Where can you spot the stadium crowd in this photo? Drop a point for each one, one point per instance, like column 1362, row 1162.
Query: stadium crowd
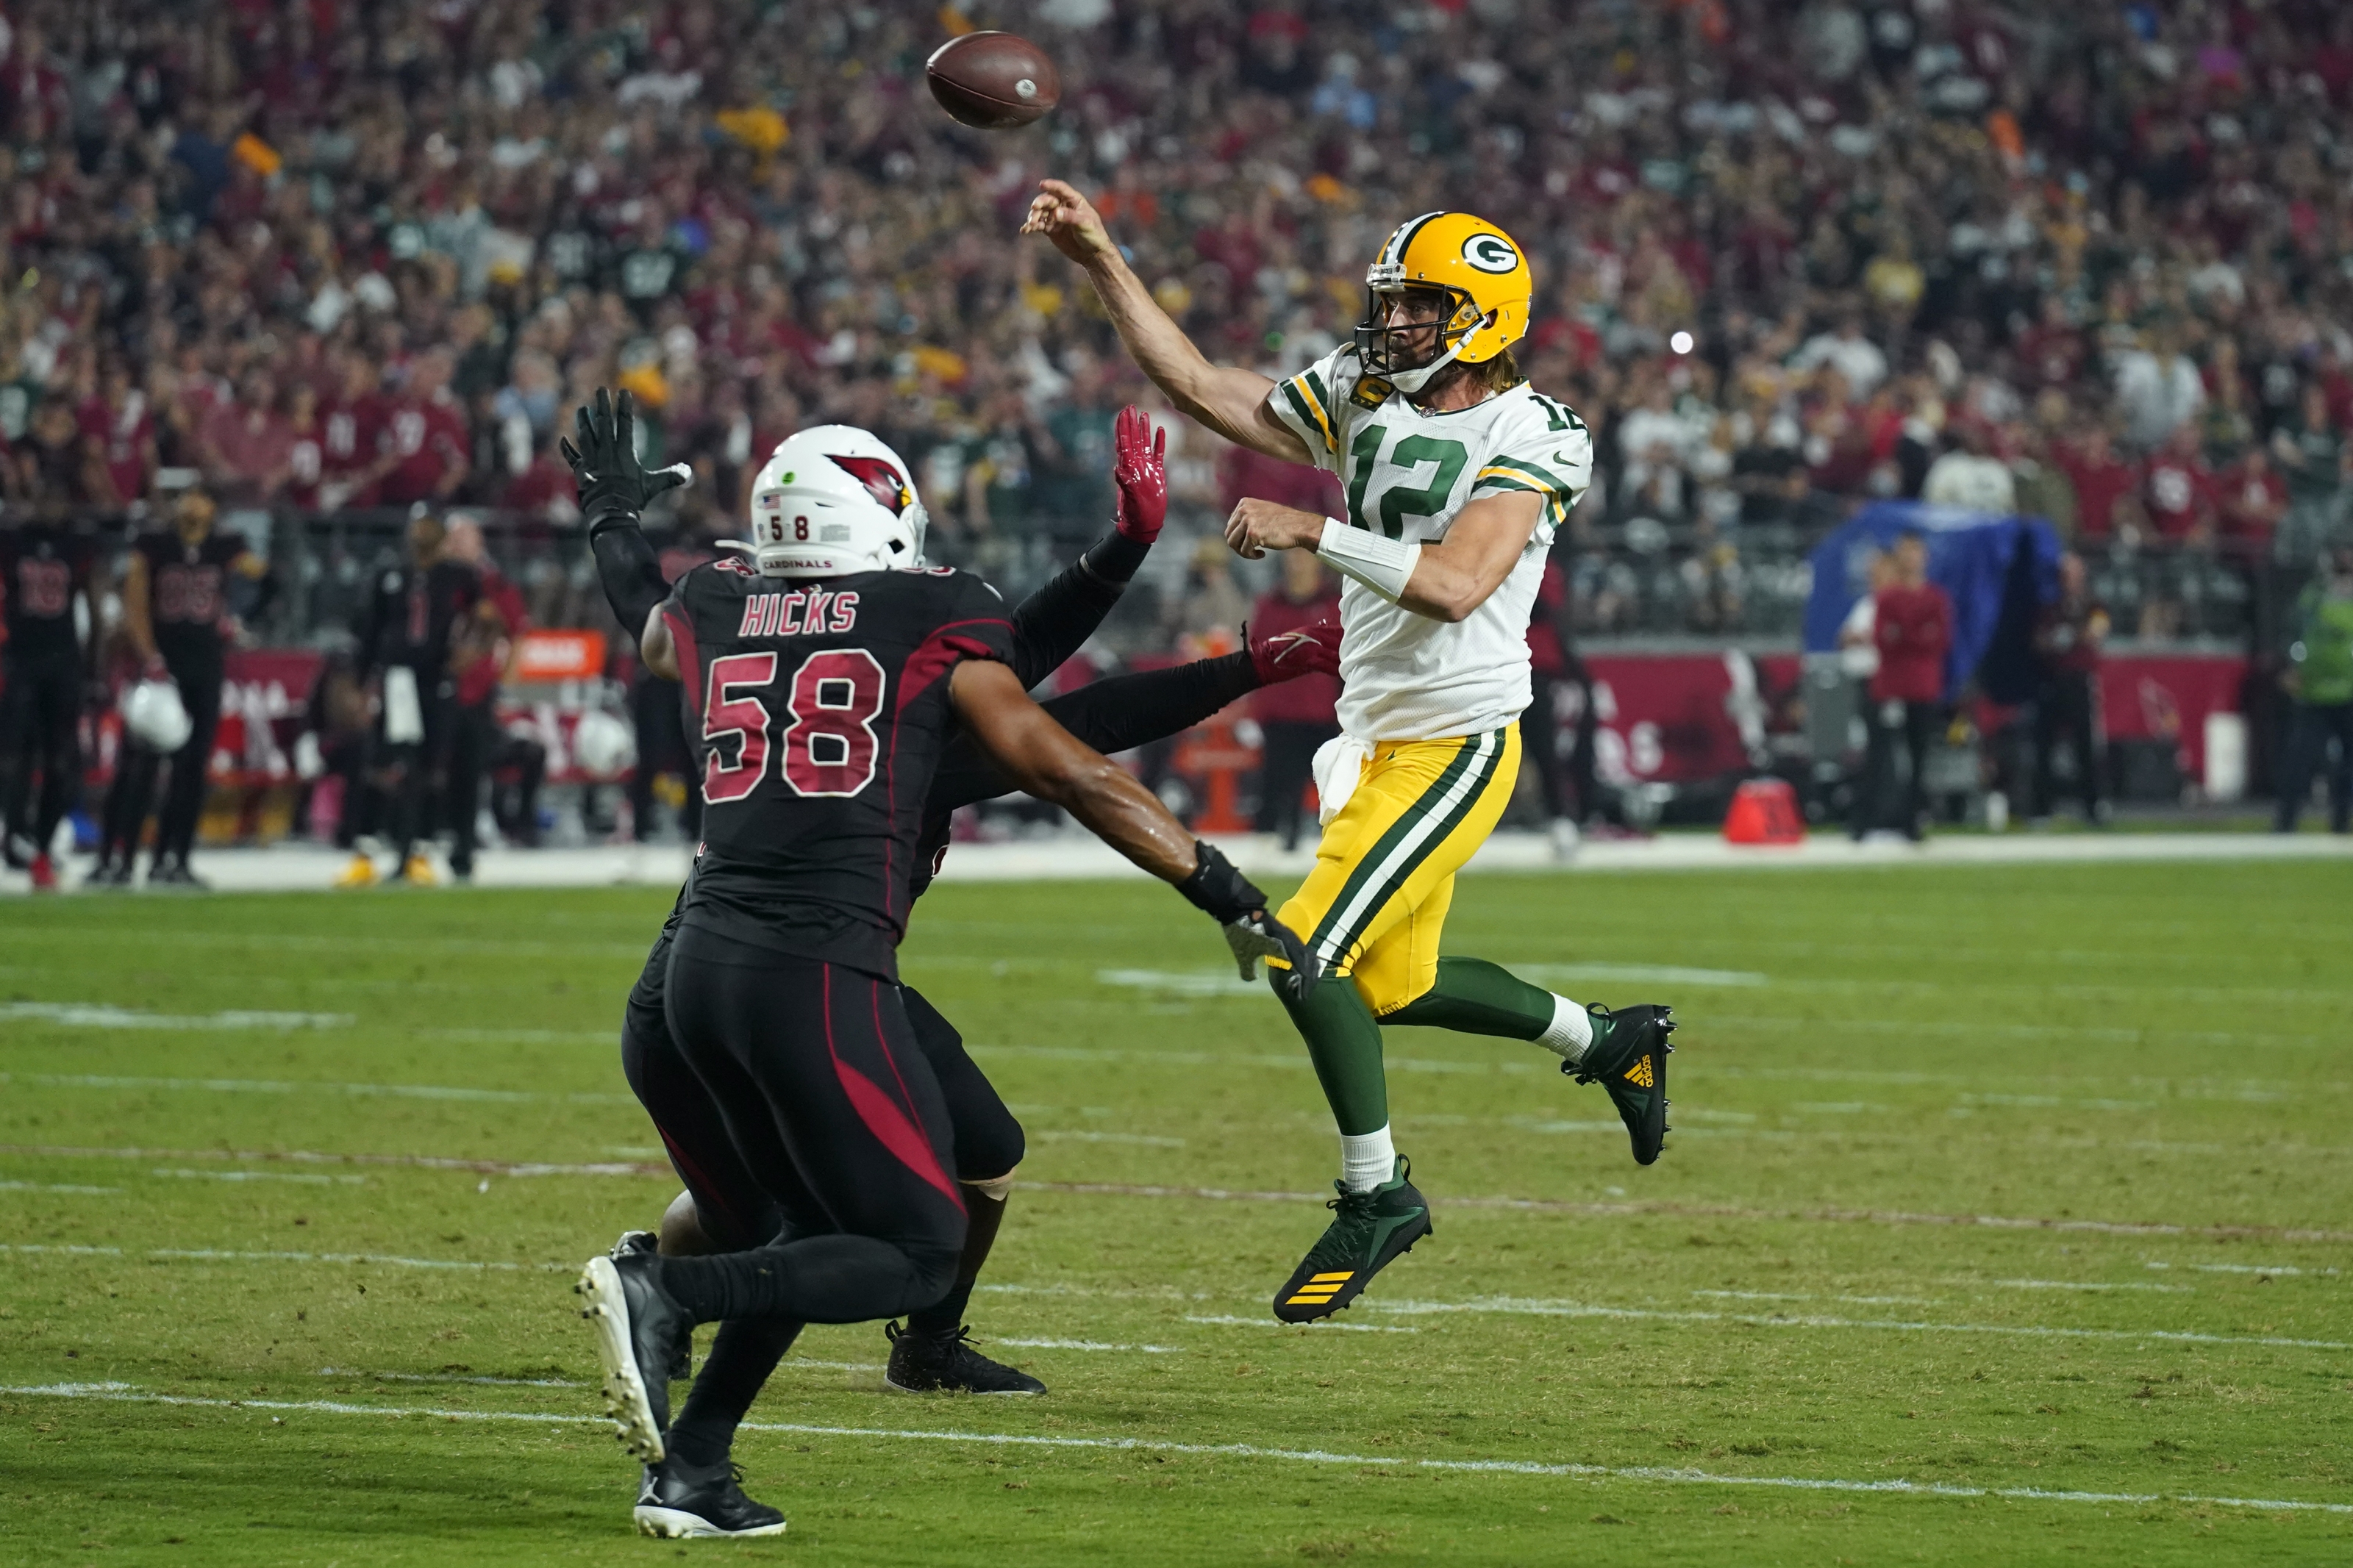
column 2089, row 262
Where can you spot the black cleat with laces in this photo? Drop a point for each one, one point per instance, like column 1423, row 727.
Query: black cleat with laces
column 1367, row 1230
column 946, row 1363
column 640, row 1334
column 1629, row 1058
column 689, row 1502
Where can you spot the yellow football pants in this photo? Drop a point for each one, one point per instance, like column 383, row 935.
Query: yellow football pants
column 1384, row 876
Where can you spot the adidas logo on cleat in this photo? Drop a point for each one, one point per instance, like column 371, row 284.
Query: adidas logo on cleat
column 1639, row 1072
column 1321, row 1289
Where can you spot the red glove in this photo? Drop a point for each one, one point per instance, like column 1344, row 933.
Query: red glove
column 1141, row 471
column 1285, row 655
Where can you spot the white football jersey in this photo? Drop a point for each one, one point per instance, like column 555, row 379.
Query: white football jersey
column 1406, row 473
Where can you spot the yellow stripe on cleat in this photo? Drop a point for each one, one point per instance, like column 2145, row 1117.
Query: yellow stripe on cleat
column 1342, row 1277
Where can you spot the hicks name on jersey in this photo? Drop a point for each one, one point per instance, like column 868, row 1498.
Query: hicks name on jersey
column 804, row 612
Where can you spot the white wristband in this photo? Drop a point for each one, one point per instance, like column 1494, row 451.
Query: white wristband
column 1379, row 563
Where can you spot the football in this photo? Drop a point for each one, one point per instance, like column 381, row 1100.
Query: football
column 993, row 81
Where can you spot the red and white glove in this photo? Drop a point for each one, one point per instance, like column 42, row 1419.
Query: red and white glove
column 1284, row 656
column 1140, row 469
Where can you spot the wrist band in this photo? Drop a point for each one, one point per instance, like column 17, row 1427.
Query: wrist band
column 1379, row 563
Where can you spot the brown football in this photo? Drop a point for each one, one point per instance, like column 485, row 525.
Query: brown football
column 993, row 80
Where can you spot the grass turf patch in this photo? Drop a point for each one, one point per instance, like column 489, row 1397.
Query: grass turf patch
column 1992, row 1182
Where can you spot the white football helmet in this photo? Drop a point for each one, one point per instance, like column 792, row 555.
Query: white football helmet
column 153, row 715
column 834, row 499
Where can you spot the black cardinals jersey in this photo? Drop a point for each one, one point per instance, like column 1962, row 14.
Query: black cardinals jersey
column 818, row 707
column 187, row 594
column 41, row 569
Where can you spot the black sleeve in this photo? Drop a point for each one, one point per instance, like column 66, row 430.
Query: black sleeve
column 629, row 570
column 1113, row 716
column 371, row 630
column 1052, row 623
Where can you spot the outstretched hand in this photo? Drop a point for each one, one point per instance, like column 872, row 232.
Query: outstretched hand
column 1070, row 221
column 1140, row 469
column 605, row 465
column 1285, row 655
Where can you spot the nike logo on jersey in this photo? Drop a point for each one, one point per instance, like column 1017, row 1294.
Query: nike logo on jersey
column 804, row 612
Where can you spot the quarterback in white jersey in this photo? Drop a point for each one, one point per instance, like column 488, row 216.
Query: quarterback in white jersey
column 1457, row 473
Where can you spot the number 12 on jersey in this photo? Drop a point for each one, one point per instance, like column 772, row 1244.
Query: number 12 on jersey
column 828, row 749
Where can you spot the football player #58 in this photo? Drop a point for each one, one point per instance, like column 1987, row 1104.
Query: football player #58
column 827, row 678
column 1457, row 472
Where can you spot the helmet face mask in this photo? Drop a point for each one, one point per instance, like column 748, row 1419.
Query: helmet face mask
column 1410, row 328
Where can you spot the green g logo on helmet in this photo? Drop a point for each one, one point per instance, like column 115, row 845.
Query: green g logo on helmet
column 1491, row 253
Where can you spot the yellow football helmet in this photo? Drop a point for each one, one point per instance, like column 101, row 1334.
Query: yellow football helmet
column 1478, row 269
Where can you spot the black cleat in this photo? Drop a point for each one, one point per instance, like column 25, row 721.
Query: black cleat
column 1629, row 1058
column 1367, row 1230
column 687, row 1502
column 646, row 1244
column 109, row 875
column 174, row 873
column 640, row 1334
column 946, row 1363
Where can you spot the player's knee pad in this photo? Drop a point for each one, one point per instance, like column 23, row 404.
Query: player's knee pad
column 996, row 1188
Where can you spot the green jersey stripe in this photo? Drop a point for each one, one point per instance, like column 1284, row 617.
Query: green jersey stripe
column 1410, row 841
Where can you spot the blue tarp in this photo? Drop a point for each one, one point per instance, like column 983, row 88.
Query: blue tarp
column 1997, row 587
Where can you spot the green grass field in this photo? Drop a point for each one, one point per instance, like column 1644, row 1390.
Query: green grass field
column 2006, row 1222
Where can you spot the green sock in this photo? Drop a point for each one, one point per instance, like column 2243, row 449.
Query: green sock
column 1473, row 996
column 1345, row 1044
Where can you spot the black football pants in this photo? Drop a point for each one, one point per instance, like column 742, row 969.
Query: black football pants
column 40, row 708
column 735, row 1210
column 133, row 789
column 830, row 1108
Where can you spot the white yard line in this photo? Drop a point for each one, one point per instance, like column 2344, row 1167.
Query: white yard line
column 2243, row 1269
column 295, row 1086
column 1540, row 1309
column 1724, row 1211
column 125, row 1393
column 60, row 1188
column 1317, row 1327
column 1088, row 1345
column 218, row 1254
column 98, row 1015
column 455, row 1377
column 313, row 1157
column 262, row 1177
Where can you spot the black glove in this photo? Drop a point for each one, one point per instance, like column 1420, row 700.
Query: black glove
column 1220, row 890
column 613, row 486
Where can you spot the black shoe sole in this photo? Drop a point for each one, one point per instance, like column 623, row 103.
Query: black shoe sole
column 626, row 1399
column 1400, row 1242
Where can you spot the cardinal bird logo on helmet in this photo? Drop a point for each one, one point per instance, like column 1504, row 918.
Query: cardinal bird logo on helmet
column 883, row 481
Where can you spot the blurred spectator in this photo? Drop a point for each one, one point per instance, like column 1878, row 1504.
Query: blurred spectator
column 2100, row 478
column 423, row 449
column 1557, row 673
column 2320, row 680
column 2177, row 488
column 2311, row 449
column 1912, row 626
column 1296, row 716
column 1970, row 478
column 2068, row 638
column 2158, row 389
column 246, row 445
column 1212, row 604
